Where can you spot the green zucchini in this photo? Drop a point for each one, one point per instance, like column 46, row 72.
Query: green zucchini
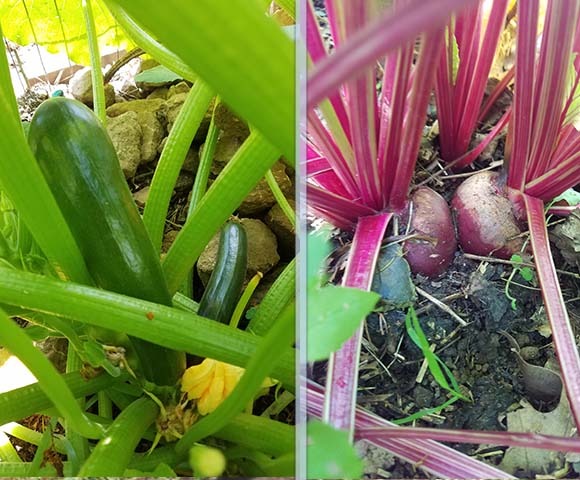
column 225, row 283
column 81, row 167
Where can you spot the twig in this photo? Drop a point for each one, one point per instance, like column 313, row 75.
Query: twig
column 448, row 298
column 424, row 366
column 491, row 166
column 512, row 263
column 441, row 305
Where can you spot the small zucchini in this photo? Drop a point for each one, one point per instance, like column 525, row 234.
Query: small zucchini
column 81, row 167
column 225, row 283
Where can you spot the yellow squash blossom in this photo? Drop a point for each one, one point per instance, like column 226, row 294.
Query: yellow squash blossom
column 211, row 382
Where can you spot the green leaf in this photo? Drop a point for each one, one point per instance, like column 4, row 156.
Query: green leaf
column 68, row 37
column 527, row 274
column 235, row 182
column 96, row 356
column 330, row 454
column 238, row 51
column 16, row 341
column 317, row 251
column 571, row 196
column 171, row 328
column 435, row 364
column 158, row 74
column 334, row 313
column 454, row 58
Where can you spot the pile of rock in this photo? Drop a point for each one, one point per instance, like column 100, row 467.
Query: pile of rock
column 139, row 129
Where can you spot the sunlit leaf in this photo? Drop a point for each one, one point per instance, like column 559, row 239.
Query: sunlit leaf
column 59, row 26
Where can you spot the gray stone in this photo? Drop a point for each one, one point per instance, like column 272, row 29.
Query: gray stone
column 81, row 88
column 261, row 197
column 126, row 135
column 278, row 222
column 262, row 251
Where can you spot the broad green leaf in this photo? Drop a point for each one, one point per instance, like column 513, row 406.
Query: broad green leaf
column 317, row 251
column 158, row 74
column 59, row 26
column 527, row 274
column 329, row 453
column 334, row 314
column 171, row 328
column 571, row 196
column 238, row 51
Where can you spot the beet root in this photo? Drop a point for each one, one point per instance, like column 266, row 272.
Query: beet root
column 484, row 216
column 431, row 219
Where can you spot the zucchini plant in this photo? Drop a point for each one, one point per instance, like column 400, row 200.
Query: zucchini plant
column 78, row 262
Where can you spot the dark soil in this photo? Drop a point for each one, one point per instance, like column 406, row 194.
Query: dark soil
column 479, row 357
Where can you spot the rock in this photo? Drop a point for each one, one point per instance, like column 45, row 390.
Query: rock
column 126, row 135
column 184, row 182
column 174, row 104
column 261, row 197
column 265, row 284
column 566, row 236
column 81, row 88
column 283, row 229
column 156, row 105
column 181, row 87
column 151, row 118
column 158, row 93
column 147, row 64
column 423, row 396
column 55, row 349
column 228, row 122
column 141, row 196
column 191, row 161
column 226, row 147
column 168, row 240
column 262, row 247
column 153, row 133
column 262, row 251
